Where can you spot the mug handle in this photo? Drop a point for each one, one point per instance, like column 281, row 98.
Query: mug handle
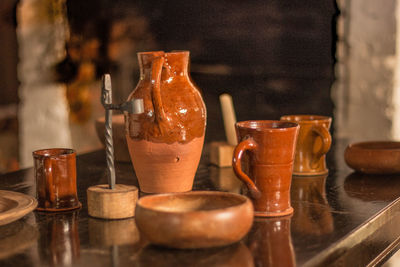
column 323, row 132
column 49, row 179
column 247, row 144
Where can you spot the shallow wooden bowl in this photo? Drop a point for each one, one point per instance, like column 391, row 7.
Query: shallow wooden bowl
column 14, row 205
column 374, row 157
column 199, row 219
column 121, row 152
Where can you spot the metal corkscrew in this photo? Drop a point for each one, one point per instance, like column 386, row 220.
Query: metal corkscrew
column 134, row 106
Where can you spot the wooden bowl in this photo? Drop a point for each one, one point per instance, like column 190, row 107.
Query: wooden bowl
column 121, row 152
column 14, row 205
column 199, row 219
column 374, row 157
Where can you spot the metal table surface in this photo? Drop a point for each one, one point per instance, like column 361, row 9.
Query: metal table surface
column 342, row 219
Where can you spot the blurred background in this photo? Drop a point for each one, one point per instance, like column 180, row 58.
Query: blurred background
column 274, row 57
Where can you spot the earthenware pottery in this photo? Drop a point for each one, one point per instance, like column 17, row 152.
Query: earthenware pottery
column 313, row 143
column 166, row 141
column 55, row 173
column 198, row 219
column 270, row 242
column 315, row 217
column 121, row 153
column 374, row 157
column 263, row 160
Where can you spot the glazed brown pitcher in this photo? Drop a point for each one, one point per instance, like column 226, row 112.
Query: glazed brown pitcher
column 165, row 142
column 263, row 160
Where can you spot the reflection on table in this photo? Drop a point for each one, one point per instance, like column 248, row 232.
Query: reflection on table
column 270, row 242
column 59, row 242
column 312, row 211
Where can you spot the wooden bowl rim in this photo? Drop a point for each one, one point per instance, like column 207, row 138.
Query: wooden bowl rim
column 25, row 204
column 244, row 201
column 383, row 146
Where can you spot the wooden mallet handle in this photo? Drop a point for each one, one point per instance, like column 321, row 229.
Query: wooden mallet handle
column 229, row 117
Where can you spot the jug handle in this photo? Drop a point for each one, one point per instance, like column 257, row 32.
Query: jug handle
column 156, row 70
column 247, row 144
column 49, row 179
column 326, row 138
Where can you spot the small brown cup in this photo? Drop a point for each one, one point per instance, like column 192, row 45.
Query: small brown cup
column 55, row 173
column 312, row 145
column 265, row 152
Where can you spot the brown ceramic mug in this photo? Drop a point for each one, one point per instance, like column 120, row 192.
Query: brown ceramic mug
column 55, row 173
column 263, row 160
column 313, row 143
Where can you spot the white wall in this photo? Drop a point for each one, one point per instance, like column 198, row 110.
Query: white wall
column 367, row 60
column 43, row 111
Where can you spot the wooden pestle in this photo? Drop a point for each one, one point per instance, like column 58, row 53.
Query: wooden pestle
column 221, row 152
column 229, row 118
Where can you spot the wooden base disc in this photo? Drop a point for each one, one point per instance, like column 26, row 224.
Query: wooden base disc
column 117, row 203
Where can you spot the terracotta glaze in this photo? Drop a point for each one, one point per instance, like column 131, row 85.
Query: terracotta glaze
column 263, row 160
column 374, row 157
column 199, row 219
column 55, row 173
column 165, row 142
column 313, row 143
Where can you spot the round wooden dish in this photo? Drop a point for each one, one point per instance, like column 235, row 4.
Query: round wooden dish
column 199, row 219
column 14, row 205
column 374, row 157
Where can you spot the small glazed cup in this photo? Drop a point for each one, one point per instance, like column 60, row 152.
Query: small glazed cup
column 55, row 174
column 313, row 143
column 263, row 160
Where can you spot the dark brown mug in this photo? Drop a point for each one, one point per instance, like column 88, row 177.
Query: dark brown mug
column 313, row 143
column 55, row 173
column 263, row 160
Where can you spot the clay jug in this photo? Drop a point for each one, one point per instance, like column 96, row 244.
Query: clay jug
column 165, row 142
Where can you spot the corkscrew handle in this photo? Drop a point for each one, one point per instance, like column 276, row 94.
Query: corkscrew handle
column 135, row 106
column 106, row 99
